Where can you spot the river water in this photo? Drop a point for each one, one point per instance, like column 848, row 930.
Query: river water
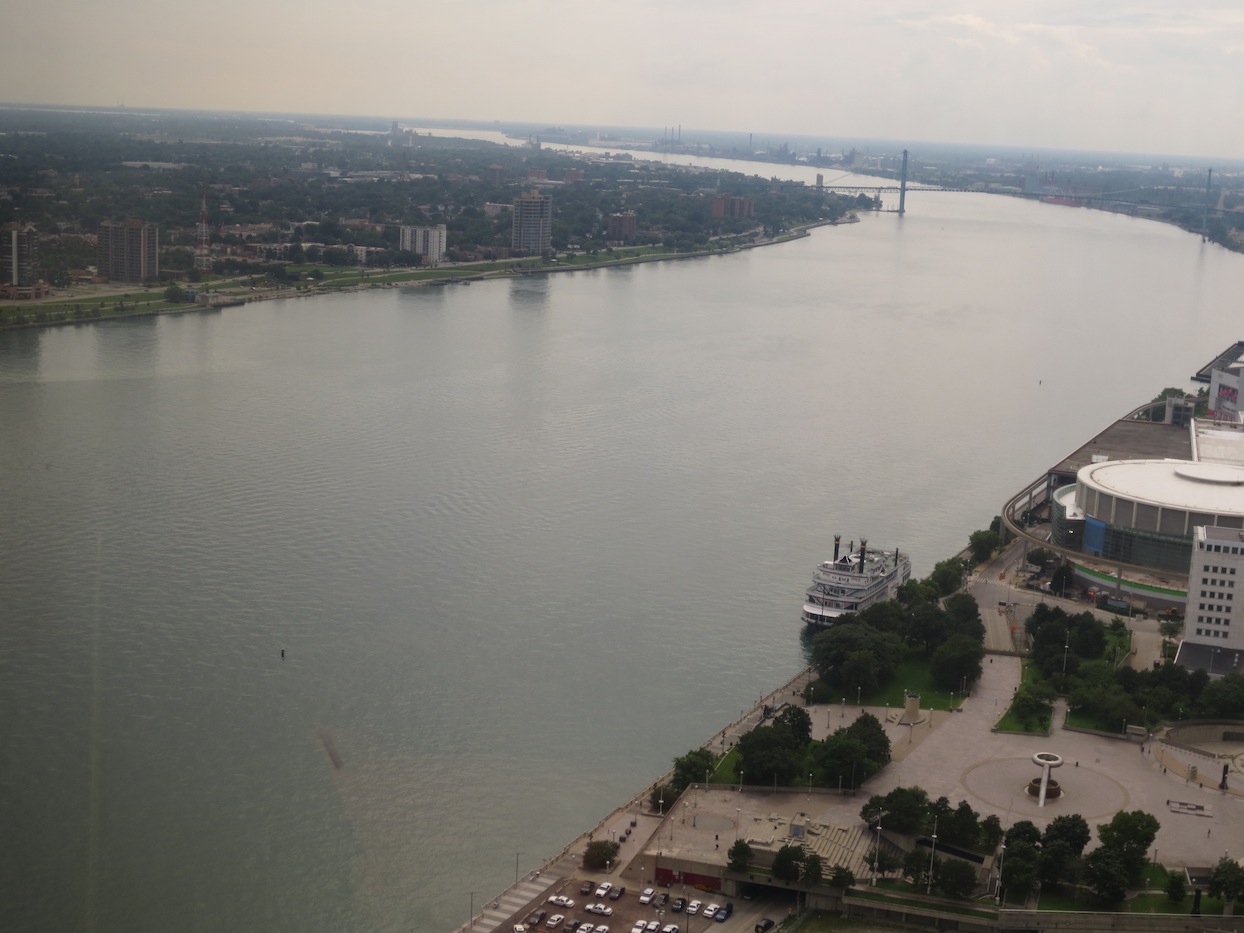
column 521, row 543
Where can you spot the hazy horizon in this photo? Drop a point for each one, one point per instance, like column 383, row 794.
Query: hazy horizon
column 1124, row 76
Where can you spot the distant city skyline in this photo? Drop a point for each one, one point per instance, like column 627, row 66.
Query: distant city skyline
column 1135, row 76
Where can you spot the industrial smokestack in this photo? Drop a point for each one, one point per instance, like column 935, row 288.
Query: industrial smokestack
column 863, row 551
column 837, row 544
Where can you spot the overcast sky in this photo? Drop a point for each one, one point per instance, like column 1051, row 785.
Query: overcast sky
column 1150, row 76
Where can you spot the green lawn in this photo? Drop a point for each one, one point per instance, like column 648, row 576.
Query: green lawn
column 915, row 675
column 823, row 921
column 724, row 773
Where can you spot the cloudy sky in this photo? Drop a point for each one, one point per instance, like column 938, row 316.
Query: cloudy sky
column 1150, row 76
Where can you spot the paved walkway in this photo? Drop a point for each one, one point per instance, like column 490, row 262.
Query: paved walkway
column 963, row 759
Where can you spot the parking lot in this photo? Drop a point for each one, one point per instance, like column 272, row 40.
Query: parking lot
column 663, row 912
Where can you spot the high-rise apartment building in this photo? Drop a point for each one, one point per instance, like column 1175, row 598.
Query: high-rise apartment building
column 19, row 262
column 427, row 242
column 1213, row 630
column 129, row 251
column 533, row 223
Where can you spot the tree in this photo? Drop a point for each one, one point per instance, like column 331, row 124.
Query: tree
column 770, row 751
column 1106, row 873
column 991, row 832
column 786, row 863
column 798, row 722
column 691, row 768
column 174, row 294
column 1023, row 831
column 1071, row 829
column 947, row 575
column 599, row 854
column 882, row 861
column 662, row 796
column 957, row 661
column 741, row 855
column 1019, row 869
column 982, row 544
column 1171, row 629
column 1128, row 836
column 955, row 878
column 1227, row 881
column 916, row 867
column 1039, row 557
column 1176, row 887
column 901, row 810
column 842, row 877
column 813, row 869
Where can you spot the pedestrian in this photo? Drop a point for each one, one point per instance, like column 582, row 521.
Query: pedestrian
column 1207, row 832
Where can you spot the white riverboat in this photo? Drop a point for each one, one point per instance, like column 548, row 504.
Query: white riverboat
column 853, row 581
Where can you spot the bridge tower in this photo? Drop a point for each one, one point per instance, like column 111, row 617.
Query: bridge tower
column 902, row 188
column 203, row 234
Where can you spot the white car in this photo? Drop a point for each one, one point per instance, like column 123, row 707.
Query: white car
column 647, row 896
column 652, row 926
column 638, row 927
column 586, row 928
column 711, row 911
column 603, row 888
column 602, row 929
column 603, row 909
column 561, row 900
column 555, row 921
column 670, row 928
column 694, row 907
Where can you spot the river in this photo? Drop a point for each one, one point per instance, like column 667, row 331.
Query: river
column 332, row 613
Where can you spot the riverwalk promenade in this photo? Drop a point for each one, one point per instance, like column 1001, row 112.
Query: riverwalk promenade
column 953, row 754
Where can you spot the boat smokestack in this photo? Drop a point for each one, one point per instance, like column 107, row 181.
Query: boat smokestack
column 837, row 544
column 863, row 551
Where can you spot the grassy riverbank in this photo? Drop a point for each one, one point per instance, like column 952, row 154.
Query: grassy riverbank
column 111, row 303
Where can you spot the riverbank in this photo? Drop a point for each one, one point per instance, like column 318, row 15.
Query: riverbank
column 55, row 311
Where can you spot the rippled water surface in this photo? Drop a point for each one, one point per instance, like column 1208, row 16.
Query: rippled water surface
column 521, row 542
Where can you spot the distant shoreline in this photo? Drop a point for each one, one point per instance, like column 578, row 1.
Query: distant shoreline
column 395, row 280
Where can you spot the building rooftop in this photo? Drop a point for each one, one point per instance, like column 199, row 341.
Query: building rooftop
column 1129, row 440
column 1211, row 488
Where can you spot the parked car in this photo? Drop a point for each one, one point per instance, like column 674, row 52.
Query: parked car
column 586, row 928
column 555, row 921
column 652, row 926
column 602, row 889
column 662, row 899
column 693, row 907
column 711, row 911
column 723, row 914
column 638, row 927
column 572, row 926
column 647, row 896
column 764, row 925
column 536, row 918
column 617, row 892
column 678, row 905
column 587, row 887
column 670, row 928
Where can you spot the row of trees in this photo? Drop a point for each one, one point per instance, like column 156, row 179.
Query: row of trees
column 1069, row 653
column 862, row 651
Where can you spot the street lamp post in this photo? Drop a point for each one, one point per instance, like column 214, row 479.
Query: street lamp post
column 1001, row 860
column 857, row 696
column 662, row 813
column 932, row 855
column 809, row 785
column 876, row 852
column 516, row 855
column 471, row 919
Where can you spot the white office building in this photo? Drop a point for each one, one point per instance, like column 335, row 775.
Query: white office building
column 1213, row 630
column 426, row 242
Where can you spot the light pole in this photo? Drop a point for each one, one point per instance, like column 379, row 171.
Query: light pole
column 662, row 813
column 737, row 817
column 876, row 852
column 857, row 696
column 471, row 919
column 1001, row 860
column 1066, row 645
column 932, row 855
column 809, row 785
column 516, row 855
